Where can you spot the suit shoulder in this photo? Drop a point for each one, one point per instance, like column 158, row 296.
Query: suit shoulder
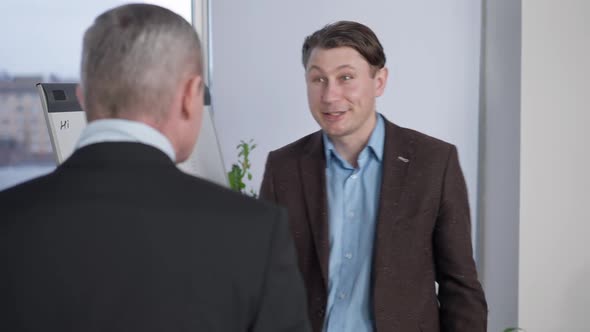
column 423, row 141
column 25, row 189
column 296, row 148
column 226, row 201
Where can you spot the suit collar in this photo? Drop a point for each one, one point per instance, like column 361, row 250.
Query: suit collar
column 118, row 154
column 397, row 160
column 313, row 175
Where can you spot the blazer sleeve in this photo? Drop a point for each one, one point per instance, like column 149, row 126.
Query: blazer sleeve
column 283, row 305
column 463, row 307
column 267, row 190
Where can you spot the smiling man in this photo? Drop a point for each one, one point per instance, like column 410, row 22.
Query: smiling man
column 379, row 213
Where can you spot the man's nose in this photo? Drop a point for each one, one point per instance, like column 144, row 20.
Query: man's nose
column 332, row 92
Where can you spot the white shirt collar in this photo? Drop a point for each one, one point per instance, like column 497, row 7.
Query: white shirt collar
column 119, row 130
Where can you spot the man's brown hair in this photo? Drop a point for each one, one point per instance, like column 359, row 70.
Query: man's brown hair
column 346, row 34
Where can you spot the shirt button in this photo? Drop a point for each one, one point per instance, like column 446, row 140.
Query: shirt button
column 353, row 176
column 351, row 214
column 348, row 255
column 342, row 296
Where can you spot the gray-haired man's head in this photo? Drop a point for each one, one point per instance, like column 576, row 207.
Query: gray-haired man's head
column 133, row 58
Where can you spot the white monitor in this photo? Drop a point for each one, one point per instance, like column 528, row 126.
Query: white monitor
column 65, row 121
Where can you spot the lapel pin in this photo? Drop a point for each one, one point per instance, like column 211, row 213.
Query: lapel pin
column 405, row 160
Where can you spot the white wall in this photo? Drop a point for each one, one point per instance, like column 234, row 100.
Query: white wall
column 433, row 50
column 554, row 294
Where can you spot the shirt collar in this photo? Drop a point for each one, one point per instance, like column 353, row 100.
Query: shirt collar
column 119, row 130
column 375, row 144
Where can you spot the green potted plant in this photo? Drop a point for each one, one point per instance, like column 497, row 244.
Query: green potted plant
column 241, row 171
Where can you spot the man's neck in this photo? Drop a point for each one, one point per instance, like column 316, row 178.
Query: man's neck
column 349, row 147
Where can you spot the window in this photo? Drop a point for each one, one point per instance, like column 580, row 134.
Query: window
column 31, row 55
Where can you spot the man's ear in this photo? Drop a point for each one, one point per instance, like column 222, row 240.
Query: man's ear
column 381, row 81
column 80, row 96
column 193, row 93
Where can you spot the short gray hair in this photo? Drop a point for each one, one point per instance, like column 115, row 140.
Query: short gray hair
column 133, row 58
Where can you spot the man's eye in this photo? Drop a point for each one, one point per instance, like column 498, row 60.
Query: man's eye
column 319, row 79
column 346, row 77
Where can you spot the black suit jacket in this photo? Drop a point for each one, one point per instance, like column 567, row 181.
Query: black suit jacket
column 118, row 239
column 423, row 233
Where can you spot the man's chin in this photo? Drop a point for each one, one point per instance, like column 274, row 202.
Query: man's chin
column 334, row 132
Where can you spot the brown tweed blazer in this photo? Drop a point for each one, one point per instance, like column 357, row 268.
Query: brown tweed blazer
column 423, row 232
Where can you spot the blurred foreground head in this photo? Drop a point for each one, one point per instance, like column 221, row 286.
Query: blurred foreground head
column 143, row 63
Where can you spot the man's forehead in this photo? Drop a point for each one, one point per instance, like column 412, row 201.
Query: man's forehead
column 330, row 59
column 330, row 69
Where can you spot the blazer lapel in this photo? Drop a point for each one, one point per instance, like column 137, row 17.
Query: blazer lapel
column 397, row 158
column 313, row 175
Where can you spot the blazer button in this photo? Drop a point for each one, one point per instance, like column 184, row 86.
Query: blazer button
column 321, row 313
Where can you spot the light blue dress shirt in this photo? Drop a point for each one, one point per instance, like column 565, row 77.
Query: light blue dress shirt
column 353, row 200
column 119, row 130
